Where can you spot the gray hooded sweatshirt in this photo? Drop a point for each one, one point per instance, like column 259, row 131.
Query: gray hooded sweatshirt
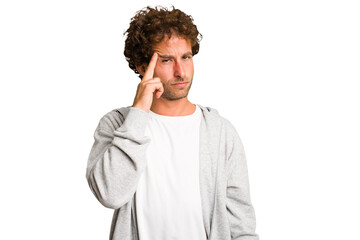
column 117, row 160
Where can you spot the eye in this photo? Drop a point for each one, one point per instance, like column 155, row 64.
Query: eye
column 165, row 60
column 187, row 57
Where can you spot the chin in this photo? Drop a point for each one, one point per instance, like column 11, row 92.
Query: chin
column 174, row 98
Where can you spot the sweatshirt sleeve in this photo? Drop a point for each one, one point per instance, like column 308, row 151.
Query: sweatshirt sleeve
column 240, row 211
column 117, row 157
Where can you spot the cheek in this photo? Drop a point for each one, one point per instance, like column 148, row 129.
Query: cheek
column 190, row 67
column 157, row 71
column 161, row 71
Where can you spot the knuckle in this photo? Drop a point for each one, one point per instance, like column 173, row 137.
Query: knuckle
column 143, row 84
column 148, row 86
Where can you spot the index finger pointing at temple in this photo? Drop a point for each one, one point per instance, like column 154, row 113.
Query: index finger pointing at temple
column 149, row 73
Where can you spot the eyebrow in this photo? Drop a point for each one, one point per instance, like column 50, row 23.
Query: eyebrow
column 170, row 56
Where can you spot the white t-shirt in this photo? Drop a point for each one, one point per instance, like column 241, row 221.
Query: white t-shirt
column 168, row 203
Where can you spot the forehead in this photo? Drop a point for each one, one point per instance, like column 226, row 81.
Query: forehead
column 174, row 44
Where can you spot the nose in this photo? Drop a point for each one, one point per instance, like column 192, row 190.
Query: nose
column 179, row 70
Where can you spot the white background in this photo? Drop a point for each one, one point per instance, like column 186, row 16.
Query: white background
column 285, row 73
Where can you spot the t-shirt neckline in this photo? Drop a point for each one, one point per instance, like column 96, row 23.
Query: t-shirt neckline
column 197, row 109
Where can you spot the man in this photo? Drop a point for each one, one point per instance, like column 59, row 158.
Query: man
column 170, row 169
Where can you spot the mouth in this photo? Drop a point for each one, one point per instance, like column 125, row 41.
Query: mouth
column 180, row 84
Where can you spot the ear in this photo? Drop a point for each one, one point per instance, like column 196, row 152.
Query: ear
column 141, row 69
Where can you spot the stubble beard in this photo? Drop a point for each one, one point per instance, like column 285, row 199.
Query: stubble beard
column 170, row 93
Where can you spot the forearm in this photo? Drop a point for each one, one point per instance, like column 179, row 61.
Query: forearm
column 117, row 160
column 241, row 213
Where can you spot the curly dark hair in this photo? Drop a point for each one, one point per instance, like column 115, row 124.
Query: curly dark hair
column 149, row 26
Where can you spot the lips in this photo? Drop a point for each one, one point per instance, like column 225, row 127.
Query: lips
column 180, row 84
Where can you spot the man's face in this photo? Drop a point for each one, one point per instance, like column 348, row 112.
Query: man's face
column 175, row 67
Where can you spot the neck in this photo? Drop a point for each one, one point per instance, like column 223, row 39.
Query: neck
column 181, row 107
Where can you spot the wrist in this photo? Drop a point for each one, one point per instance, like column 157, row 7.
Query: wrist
column 141, row 107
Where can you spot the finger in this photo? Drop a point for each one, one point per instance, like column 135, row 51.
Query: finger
column 149, row 73
column 151, row 86
column 148, row 83
column 155, row 86
column 151, row 80
column 158, row 94
column 159, row 91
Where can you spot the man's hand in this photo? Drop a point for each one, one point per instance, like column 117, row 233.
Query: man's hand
column 148, row 87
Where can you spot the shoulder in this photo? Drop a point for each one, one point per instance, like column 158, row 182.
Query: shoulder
column 212, row 115
column 217, row 125
column 219, row 128
column 113, row 119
